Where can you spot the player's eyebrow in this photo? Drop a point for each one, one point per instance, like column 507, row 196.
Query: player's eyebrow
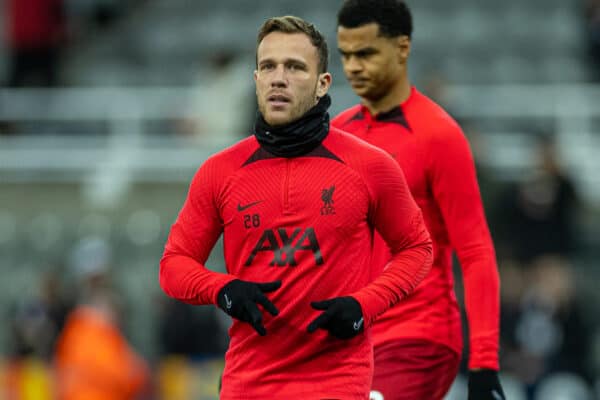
column 289, row 60
column 360, row 52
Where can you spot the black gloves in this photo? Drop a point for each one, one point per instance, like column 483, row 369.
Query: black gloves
column 238, row 299
column 343, row 317
column 485, row 385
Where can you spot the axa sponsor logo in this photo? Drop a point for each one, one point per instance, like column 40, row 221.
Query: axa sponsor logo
column 285, row 244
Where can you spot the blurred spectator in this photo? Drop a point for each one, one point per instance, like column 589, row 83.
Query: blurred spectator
column 37, row 321
column 592, row 21
column 223, row 106
column 87, row 17
column 543, row 330
column 93, row 359
column 435, row 86
column 31, row 329
column 192, row 331
column 537, row 214
column 489, row 186
column 35, row 325
column 36, row 33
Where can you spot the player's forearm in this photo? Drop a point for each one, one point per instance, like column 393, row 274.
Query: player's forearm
column 482, row 302
column 403, row 273
column 470, row 237
column 185, row 279
column 457, row 193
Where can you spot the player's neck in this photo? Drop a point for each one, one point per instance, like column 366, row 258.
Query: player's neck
column 397, row 95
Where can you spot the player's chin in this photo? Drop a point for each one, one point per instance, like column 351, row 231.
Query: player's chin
column 278, row 117
column 362, row 90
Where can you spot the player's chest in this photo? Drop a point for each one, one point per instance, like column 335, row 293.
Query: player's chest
column 292, row 197
column 408, row 150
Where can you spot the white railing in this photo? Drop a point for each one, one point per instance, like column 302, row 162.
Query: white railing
column 108, row 162
column 124, row 152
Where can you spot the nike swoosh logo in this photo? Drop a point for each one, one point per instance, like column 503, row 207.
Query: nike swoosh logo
column 228, row 303
column 358, row 324
column 247, row 206
column 497, row 395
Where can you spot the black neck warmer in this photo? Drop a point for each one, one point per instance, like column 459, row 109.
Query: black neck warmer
column 297, row 137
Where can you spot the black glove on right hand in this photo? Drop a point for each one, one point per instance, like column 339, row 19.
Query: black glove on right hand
column 343, row 317
column 238, row 299
column 485, row 385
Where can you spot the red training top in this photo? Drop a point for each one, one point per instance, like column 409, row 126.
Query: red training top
column 436, row 160
column 307, row 221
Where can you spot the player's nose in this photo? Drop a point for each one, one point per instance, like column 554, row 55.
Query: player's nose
column 278, row 78
column 352, row 65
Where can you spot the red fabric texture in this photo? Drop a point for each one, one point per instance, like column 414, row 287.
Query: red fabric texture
column 436, row 159
column 414, row 370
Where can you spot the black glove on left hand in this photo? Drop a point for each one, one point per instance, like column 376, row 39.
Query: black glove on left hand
column 239, row 299
column 485, row 385
column 343, row 317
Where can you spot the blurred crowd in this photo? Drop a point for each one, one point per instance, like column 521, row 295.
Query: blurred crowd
column 592, row 29
column 39, row 32
column 547, row 323
column 69, row 340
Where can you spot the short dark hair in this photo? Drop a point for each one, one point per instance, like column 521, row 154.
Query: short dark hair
column 393, row 16
column 292, row 24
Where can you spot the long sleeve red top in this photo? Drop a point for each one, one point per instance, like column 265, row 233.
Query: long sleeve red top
column 308, row 221
column 438, row 165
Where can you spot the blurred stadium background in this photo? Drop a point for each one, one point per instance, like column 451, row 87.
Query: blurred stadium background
column 106, row 116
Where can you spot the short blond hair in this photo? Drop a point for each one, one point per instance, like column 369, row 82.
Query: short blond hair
column 292, row 24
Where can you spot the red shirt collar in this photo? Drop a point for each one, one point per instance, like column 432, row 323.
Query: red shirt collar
column 395, row 115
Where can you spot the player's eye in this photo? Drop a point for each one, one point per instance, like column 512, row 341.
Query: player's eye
column 296, row 67
column 267, row 66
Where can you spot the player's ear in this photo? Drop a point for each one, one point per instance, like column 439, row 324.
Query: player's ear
column 323, row 84
column 403, row 45
column 256, row 83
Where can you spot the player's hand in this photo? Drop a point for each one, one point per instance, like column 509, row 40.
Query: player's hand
column 485, row 385
column 342, row 317
column 239, row 299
